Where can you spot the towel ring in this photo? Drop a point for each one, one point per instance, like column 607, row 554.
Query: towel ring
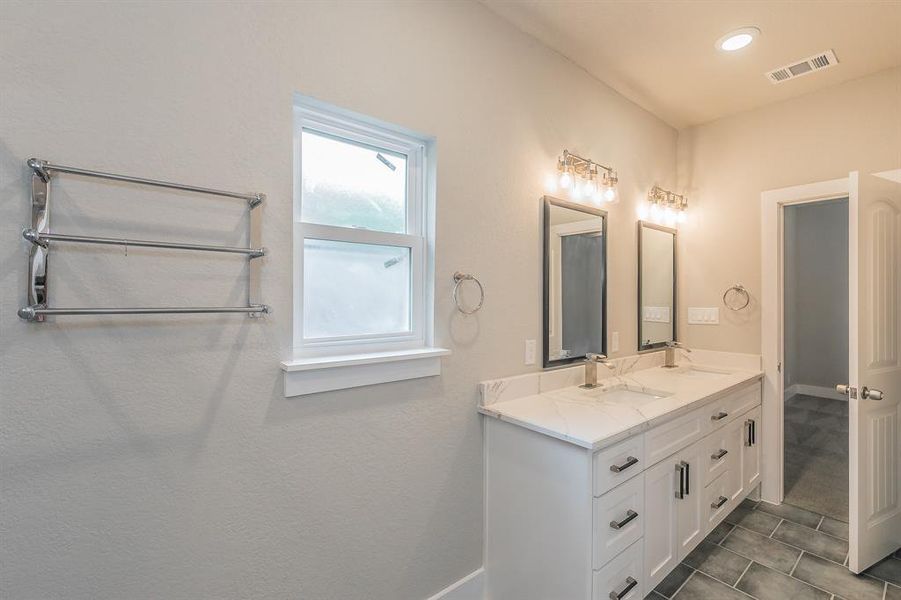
column 740, row 290
column 459, row 278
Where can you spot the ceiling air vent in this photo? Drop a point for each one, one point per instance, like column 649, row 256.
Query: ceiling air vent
column 817, row 62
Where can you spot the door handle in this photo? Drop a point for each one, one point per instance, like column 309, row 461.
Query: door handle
column 749, row 440
column 719, row 502
column 843, row 389
column 630, row 514
column 718, row 455
column 630, row 583
column 871, row 394
column 753, row 432
column 630, row 460
column 680, row 467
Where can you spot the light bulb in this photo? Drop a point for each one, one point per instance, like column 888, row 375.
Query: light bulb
column 642, row 210
column 610, row 194
column 566, row 180
column 655, row 211
column 576, row 191
column 550, row 183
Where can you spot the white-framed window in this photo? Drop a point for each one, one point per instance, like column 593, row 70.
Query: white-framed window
column 363, row 252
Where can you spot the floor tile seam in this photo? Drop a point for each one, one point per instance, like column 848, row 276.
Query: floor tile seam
column 793, row 547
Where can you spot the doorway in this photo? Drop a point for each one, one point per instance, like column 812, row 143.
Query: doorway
column 815, row 338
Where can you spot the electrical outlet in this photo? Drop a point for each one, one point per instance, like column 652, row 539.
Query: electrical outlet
column 614, row 341
column 530, row 352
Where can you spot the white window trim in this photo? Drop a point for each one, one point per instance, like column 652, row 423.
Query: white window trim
column 330, row 364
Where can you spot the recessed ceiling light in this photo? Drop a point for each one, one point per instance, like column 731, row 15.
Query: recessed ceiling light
column 738, row 39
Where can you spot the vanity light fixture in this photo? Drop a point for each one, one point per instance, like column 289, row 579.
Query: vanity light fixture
column 583, row 177
column 666, row 206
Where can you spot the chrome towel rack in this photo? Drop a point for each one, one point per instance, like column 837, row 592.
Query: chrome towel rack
column 37, row 300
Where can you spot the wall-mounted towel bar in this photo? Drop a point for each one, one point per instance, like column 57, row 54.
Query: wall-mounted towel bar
column 42, row 238
column 37, row 300
column 44, row 169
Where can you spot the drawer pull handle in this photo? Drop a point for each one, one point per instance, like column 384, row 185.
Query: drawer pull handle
column 630, row 583
column 630, row 460
column 718, row 455
column 719, row 502
column 718, row 416
column 630, row 514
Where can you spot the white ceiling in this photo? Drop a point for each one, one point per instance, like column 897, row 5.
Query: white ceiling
column 660, row 54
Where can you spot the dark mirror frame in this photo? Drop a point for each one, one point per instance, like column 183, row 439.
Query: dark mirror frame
column 649, row 225
column 550, row 201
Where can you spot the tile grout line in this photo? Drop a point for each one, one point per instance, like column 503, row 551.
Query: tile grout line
column 795, row 566
column 682, row 585
column 743, row 574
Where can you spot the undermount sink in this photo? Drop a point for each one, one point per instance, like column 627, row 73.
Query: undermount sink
column 697, row 372
column 624, row 394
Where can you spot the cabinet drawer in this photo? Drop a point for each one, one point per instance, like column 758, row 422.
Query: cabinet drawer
column 618, row 520
column 671, row 437
column 729, row 407
column 618, row 463
column 621, row 577
column 721, row 452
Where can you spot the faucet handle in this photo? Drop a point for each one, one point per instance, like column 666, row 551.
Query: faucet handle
column 675, row 344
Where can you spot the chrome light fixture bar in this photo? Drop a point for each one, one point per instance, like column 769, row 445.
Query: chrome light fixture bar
column 670, row 204
column 585, row 177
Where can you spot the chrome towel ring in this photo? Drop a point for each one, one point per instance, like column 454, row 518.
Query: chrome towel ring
column 459, row 278
column 739, row 299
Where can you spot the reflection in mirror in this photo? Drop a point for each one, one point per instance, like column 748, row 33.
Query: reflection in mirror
column 656, row 285
column 575, row 286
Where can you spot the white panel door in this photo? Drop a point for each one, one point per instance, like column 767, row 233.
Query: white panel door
column 661, row 484
column 691, row 522
column 875, row 368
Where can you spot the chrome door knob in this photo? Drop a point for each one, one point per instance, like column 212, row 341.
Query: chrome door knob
column 871, row 394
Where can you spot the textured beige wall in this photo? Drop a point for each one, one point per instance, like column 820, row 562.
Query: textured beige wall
column 157, row 457
column 725, row 165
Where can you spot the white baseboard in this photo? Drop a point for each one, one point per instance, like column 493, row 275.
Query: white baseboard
column 471, row 587
column 813, row 390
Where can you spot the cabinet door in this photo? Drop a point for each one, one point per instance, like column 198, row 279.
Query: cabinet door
column 750, row 448
column 735, row 482
column 691, row 522
column 660, row 551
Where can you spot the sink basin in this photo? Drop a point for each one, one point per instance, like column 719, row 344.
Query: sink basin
column 624, row 394
column 697, row 372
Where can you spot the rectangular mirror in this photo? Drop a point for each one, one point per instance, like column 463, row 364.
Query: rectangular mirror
column 575, row 281
column 656, row 285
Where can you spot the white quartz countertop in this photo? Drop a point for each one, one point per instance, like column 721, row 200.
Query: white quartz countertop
column 589, row 419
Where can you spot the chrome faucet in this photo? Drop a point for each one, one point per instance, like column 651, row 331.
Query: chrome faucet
column 591, row 369
column 669, row 360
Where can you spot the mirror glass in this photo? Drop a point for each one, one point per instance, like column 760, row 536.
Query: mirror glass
column 575, row 281
column 656, row 285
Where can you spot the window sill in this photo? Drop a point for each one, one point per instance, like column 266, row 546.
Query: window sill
column 326, row 373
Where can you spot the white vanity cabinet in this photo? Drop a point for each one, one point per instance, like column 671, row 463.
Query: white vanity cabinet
column 563, row 521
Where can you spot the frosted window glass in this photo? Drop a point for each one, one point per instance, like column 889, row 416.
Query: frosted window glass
column 351, row 185
column 352, row 289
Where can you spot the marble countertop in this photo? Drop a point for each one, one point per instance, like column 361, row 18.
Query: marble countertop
column 588, row 419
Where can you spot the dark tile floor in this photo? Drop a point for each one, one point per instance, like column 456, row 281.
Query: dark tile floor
column 816, row 455
column 777, row 552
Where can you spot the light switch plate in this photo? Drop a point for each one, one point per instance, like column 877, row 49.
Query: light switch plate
column 530, row 352
column 703, row 316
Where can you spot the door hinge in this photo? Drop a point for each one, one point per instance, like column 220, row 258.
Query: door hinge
column 779, row 366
